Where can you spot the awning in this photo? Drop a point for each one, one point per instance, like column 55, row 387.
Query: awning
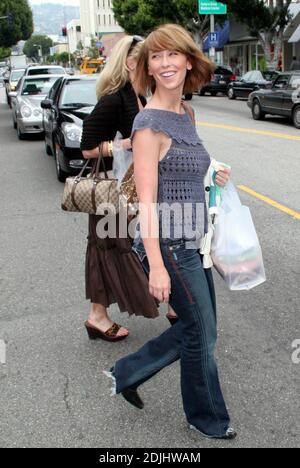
column 296, row 36
column 224, row 37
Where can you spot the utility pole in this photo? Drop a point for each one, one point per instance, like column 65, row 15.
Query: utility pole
column 212, row 50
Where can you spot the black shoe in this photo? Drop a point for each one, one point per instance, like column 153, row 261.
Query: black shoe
column 133, row 398
column 229, row 434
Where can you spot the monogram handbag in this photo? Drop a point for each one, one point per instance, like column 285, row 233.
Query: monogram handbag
column 128, row 195
column 92, row 193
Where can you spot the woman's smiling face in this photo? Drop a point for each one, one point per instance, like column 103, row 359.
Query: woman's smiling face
column 168, row 68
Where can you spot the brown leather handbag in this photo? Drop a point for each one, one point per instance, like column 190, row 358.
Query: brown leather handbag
column 93, row 193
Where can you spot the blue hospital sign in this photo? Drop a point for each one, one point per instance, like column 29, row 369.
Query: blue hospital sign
column 213, row 39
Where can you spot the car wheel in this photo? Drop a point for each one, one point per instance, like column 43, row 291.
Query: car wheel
column 61, row 175
column 202, row 92
column 296, row 117
column 21, row 135
column 213, row 93
column 48, row 149
column 230, row 93
column 257, row 112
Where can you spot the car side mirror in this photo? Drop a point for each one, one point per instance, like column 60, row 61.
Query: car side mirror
column 12, row 94
column 46, row 104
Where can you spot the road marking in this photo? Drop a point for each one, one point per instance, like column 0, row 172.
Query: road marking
column 284, row 136
column 271, row 202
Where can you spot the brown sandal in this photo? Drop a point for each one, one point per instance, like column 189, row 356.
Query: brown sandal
column 110, row 334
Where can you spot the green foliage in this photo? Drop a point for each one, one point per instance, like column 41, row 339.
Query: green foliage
column 4, row 52
column 141, row 16
column 32, row 51
column 64, row 58
column 258, row 16
column 93, row 51
column 22, row 24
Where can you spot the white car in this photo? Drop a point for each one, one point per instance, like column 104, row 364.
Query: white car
column 45, row 70
column 26, row 103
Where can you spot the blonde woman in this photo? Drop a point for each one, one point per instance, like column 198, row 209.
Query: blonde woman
column 171, row 166
column 113, row 272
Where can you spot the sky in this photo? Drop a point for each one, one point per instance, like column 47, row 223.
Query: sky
column 61, row 2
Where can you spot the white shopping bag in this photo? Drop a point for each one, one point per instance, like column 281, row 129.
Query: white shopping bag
column 122, row 159
column 235, row 250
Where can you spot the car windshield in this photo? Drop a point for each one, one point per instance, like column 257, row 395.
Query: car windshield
column 46, row 71
column 78, row 93
column 223, row 71
column 38, row 86
column 269, row 75
column 92, row 65
column 16, row 75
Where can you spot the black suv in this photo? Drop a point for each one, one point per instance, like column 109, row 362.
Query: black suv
column 222, row 77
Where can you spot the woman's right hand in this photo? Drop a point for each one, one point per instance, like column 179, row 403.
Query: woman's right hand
column 160, row 283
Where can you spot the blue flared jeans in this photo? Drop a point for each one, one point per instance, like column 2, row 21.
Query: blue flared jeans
column 192, row 340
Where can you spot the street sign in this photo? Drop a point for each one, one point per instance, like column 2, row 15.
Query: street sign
column 213, row 39
column 211, row 7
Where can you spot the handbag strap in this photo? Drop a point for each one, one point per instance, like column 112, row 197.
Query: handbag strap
column 100, row 161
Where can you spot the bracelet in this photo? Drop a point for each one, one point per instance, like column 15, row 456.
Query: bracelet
column 110, row 148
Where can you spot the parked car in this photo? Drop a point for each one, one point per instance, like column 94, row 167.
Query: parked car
column 70, row 71
column 26, row 100
column 250, row 82
column 70, row 100
column 12, row 82
column 283, row 98
column 45, row 70
column 222, row 77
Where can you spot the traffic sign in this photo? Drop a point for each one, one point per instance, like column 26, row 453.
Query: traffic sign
column 213, row 39
column 211, row 7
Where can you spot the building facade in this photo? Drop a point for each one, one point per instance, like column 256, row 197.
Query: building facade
column 74, row 34
column 243, row 52
column 97, row 18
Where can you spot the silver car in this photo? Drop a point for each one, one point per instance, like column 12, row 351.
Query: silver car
column 26, row 103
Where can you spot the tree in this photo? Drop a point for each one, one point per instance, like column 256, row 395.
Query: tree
column 19, row 26
column 4, row 52
column 141, row 16
column 64, row 58
column 31, row 50
column 93, row 51
column 266, row 22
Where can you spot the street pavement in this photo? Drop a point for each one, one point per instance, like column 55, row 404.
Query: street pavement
column 53, row 392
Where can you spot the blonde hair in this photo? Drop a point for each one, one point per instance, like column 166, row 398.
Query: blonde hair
column 173, row 37
column 116, row 73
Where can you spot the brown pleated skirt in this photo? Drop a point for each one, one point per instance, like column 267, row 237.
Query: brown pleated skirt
column 114, row 274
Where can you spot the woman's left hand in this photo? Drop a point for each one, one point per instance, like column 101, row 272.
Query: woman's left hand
column 223, row 177
column 126, row 143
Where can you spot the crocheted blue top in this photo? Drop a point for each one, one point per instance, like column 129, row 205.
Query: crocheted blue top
column 180, row 174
